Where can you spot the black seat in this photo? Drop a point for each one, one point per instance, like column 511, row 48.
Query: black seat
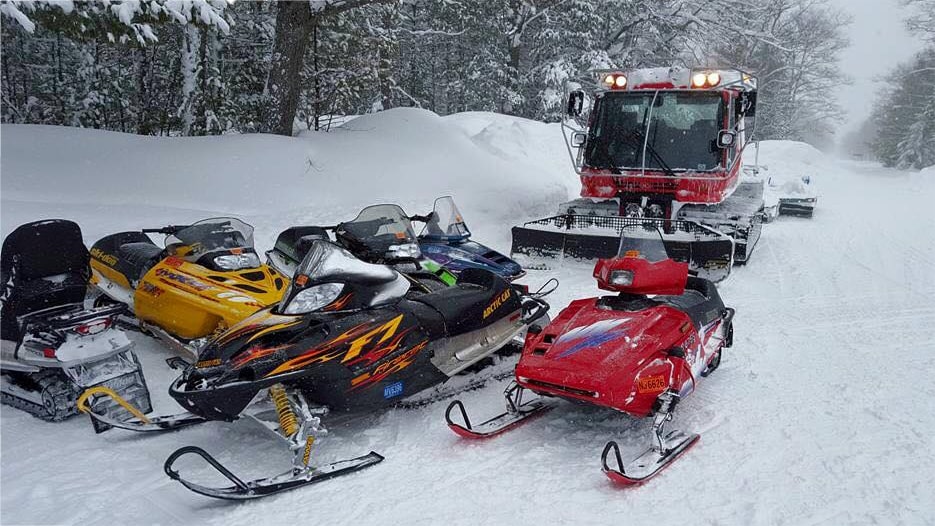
column 479, row 298
column 700, row 301
column 138, row 257
column 43, row 264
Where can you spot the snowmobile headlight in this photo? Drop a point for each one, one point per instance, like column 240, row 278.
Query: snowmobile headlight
column 623, row 278
column 237, row 261
column 405, row 251
column 314, row 298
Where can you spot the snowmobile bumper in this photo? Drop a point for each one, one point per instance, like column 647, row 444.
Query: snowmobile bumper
column 105, row 420
column 708, row 252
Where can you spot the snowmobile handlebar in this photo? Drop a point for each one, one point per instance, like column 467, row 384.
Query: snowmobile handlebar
column 422, row 219
column 167, row 230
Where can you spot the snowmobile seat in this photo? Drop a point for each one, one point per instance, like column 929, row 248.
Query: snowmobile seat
column 43, row 264
column 472, row 302
column 138, row 258
column 700, row 301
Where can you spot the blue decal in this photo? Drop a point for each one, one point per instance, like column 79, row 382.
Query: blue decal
column 393, row 390
column 595, row 340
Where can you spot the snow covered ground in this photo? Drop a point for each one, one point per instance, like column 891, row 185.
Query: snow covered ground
column 820, row 413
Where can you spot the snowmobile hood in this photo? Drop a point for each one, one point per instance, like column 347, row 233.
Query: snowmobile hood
column 600, row 342
column 458, row 256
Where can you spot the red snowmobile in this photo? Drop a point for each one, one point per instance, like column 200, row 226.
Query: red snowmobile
column 639, row 352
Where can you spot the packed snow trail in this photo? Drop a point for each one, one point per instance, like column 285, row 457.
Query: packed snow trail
column 819, row 414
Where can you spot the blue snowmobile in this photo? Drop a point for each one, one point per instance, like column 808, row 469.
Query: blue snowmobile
column 444, row 243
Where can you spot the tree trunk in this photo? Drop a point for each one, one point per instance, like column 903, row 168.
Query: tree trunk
column 293, row 24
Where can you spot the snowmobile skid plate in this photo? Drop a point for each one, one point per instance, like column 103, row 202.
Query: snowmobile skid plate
column 650, row 463
column 709, row 253
column 266, row 486
column 139, row 421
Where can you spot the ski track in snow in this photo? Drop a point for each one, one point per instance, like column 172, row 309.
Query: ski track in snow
column 819, row 414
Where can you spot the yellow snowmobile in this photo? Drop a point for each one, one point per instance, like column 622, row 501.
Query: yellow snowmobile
column 207, row 278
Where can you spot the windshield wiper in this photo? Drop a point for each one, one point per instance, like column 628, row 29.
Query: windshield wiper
column 636, row 138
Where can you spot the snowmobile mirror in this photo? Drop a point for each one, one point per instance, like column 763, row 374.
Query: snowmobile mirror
column 725, row 138
column 575, row 103
column 578, row 139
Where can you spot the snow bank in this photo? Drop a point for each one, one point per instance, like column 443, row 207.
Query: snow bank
column 408, row 156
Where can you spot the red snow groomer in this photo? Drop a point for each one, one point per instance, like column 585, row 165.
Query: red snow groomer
column 662, row 146
column 638, row 352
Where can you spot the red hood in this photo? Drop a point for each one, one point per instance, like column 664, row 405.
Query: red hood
column 592, row 350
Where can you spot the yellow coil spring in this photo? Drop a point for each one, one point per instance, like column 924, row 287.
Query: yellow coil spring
column 287, row 420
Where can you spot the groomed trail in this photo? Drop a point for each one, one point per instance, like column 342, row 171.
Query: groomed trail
column 819, row 414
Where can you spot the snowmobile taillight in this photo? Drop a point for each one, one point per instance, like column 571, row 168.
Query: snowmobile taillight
column 93, row 327
column 48, row 352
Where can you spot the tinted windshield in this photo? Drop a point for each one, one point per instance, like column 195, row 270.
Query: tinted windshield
column 220, row 233
column 642, row 242
column 385, row 223
column 678, row 128
column 446, row 221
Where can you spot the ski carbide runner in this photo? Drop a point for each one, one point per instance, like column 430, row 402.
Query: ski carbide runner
column 650, row 462
column 265, row 486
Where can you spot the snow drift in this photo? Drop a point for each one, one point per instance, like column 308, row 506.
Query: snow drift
column 407, row 156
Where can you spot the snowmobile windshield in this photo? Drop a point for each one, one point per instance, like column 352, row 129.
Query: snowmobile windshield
column 384, row 231
column 677, row 131
column 446, row 222
column 642, row 242
column 210, row 235
column 322, row 276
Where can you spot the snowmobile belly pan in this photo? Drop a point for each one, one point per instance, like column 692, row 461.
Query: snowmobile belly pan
column 708, row 252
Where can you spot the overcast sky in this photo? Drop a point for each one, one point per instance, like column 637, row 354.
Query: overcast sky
column 879, row 40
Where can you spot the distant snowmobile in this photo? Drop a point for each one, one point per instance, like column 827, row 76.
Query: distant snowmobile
column 348, row 337
column 447, row 240
column 53, row 348
column 444, row 247
column 638, row 352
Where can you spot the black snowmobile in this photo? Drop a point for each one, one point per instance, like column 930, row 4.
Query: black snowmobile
column 348, row 337
column 381, row 234
column 53, row 348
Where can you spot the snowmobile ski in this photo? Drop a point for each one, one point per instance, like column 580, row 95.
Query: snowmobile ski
column 648, row 464
column 263, row 487
column 517, row 413
column 139, row 421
